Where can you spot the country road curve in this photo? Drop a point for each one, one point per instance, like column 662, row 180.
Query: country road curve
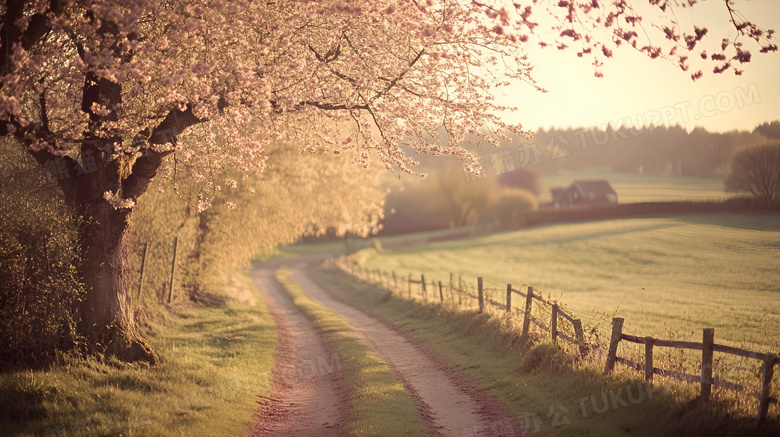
column 447, row 406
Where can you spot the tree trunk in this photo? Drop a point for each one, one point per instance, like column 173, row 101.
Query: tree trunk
column 107, row 318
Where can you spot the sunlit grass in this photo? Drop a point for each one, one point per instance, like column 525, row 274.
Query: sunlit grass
column 664, row 275
column 377, row 404
column 216, row 361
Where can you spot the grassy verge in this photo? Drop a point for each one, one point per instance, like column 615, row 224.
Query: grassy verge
column 540, row 385
column 216, row 360
column 378, row 404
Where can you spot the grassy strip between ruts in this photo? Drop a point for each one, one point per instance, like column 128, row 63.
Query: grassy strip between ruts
column 377, row 402
column 540, row 385
column 216, row 361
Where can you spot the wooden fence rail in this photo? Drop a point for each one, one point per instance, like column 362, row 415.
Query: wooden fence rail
column 705, row 379
column 558, row 315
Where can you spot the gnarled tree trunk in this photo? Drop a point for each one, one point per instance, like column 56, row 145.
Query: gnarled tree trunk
column 107, row 318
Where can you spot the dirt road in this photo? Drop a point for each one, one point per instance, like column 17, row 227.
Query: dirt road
column 446, row 404
column 305, row 400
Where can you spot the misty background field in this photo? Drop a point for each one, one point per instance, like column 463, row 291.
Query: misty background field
column 634, row 188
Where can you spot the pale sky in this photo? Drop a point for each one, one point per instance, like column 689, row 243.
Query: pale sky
column 642, row 89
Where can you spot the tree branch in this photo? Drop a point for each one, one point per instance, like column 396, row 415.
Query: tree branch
column 400, row 76
column 146, row 166
column 320, row 105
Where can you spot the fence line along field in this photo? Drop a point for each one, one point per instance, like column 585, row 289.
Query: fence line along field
column 667, row 276
column 566, row 327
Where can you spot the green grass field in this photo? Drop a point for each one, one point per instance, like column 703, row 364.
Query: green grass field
column 633, row 188
column 216, row 361
column 669, row 277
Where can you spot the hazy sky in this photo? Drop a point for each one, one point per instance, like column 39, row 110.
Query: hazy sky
column 646, row 90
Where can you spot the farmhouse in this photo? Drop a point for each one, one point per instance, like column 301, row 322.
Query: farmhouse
column 584, row 192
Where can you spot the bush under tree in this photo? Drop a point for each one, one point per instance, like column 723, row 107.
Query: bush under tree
column 39, row 257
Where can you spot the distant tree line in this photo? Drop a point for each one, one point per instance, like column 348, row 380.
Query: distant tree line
column 660, row 151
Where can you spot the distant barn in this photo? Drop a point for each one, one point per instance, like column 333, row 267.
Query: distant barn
column 584, row 192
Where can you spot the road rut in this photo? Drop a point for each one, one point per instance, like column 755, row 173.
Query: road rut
column 305, row 400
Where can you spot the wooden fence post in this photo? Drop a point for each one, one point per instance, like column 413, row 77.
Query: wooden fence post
column 410, row 286
column 708, row 341
column 441, row 293
column 395, row 283
column 481, row 295
column 424, row 290
column 529, row 300
column 617, row 331
column 554, row 323
column 451, row 286
column 649, row 343
column 580, row 336
column 766, row 386
column 173, row 267
column 143, row 269
column 508, row 298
